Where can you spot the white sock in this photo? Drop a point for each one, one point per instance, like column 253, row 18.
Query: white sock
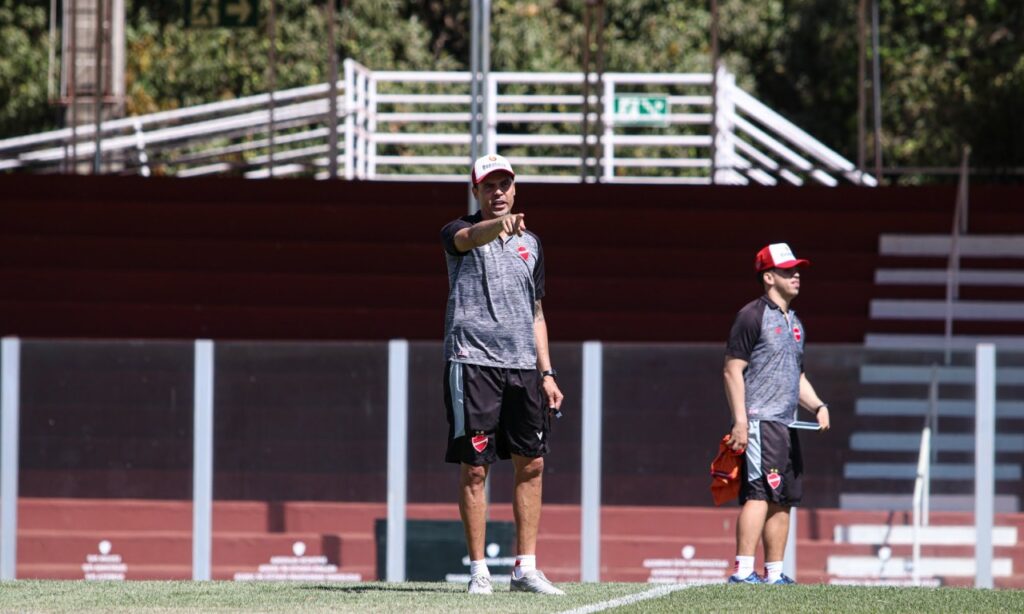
column 479, row 568
column 744, row 566
column 773, row 571
column 525, row 563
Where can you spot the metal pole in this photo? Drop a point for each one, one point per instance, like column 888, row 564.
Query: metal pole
column 876, row 90
column 98, row 90
column 984, row 461
column 272, row 84
column 714, row 89
column 474, row 91
column 585, row 118
column 933, row 450
column 398, row 442
column 485, row 71
column 10, row 381
column 965, row 184
column 861, row 72
column 590, row 478
column 202, row 463
column 72, row 27
column 599, row 52
column 332, row 95
column 52, row 52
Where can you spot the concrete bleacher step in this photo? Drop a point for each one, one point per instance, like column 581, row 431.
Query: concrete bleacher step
column 939, row 471
column 987, row 246
column 70, row 571
column 939, row 277
column 961, row 408
column 243, row 550
column 899, row 566
column 894, row 309
column 922, row 374
column 931, row 535
column 937, row 342
column 882, row 441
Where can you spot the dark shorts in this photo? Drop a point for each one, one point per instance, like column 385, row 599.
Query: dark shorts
column 493, row 413
column 772, row 465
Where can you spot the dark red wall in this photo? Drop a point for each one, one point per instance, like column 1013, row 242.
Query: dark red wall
column 298, row 259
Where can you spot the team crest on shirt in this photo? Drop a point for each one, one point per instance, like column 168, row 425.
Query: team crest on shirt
column 774, row 479
column 479, row 442
column 796, row 333
column 524, row 253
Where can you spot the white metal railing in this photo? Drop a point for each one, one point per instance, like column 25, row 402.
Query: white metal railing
column 953, row 264
column 920, row 504
column 922, row 482
column 408, row 125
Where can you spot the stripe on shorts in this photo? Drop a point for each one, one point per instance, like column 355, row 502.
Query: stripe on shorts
column 754, row 451
column 458, row 399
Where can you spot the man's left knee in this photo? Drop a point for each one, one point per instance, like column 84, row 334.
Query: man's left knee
column 530, row 468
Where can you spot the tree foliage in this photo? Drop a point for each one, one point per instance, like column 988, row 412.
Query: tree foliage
column 952, row 70
column 24, row 31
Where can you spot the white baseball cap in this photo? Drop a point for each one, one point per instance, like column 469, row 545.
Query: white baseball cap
column 485, row 165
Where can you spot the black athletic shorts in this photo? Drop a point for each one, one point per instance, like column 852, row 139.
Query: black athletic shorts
column 493, row 413
column 772, row 465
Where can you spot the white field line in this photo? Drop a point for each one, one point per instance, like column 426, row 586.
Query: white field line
column 661, row 591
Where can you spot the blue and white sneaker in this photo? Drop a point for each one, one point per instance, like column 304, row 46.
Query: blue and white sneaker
column 783, row 579
column 753, row 578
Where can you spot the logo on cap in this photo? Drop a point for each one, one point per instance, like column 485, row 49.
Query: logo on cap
column 485, row 165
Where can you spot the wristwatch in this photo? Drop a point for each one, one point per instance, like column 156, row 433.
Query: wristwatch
column 818, row 408
column 551, row 372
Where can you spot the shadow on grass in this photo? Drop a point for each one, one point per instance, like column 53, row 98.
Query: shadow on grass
column 380, row 588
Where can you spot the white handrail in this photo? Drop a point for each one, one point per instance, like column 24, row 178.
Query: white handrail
column 953, row 265
column 918, row 505
column 534, row 117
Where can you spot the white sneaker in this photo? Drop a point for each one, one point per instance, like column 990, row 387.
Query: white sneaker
column 480, row 585
column 535, row 582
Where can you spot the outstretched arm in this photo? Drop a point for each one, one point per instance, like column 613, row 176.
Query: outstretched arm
column 486, row 231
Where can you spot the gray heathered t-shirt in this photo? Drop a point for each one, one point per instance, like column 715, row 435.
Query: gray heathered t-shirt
column 491, row 295
column 774, row 350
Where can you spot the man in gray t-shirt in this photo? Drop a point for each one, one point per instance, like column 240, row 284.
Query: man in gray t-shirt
column 765, row 383
column 500, row 390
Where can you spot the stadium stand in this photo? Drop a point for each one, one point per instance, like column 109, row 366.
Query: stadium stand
column 128, row 257
column 293, row 260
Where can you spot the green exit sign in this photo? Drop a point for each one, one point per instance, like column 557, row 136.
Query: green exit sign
column 221, row 13
column 641, row 109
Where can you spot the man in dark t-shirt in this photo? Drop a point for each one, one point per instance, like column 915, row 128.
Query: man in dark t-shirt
column 499, row 386
column 765, row 384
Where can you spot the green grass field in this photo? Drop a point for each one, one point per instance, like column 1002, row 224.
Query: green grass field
column 424, row 597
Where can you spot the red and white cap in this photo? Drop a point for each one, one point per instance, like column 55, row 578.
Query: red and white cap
column 777, row 256
column 491, row 163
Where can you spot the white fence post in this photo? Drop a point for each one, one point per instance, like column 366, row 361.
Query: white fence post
column 984, row 461
column 350, row 120
column 10, row 382
column 590, row 473
column 608, row 118
column 398, row 442
column 202, row 464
